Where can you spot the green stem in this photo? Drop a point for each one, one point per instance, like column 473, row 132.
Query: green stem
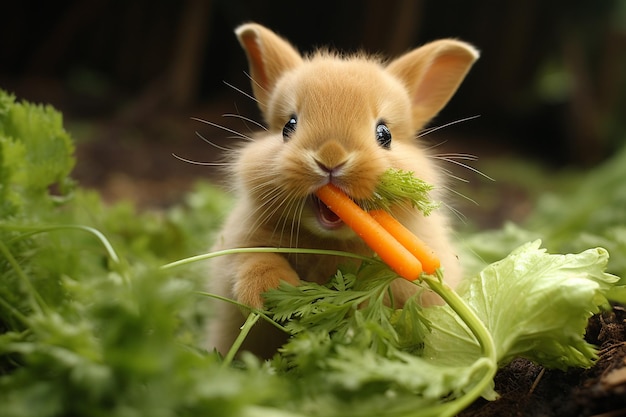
column 261, row 313
column 245, row 329
column 263, row 250
column 477, row 327
column 32, row 230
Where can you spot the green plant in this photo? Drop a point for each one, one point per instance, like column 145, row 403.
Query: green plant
column 96, row 319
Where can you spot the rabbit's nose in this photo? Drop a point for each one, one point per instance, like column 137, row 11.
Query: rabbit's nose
column 331, row 158
column 330, row 169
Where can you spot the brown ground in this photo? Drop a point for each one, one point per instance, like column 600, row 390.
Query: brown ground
column 530, row 390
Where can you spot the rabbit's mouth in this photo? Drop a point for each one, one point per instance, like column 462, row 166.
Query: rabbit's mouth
column 325, row 216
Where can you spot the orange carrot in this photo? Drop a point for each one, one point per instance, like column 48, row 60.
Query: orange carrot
column 415, row 245
column 375, row 236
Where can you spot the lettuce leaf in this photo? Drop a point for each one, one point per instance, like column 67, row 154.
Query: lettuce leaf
column 537, row 305
column 534, row 304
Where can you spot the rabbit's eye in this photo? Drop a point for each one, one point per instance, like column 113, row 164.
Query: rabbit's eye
column 383, row 135
column 290, row 127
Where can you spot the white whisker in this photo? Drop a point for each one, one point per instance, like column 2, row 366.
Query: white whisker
column 462, row 217
column 464, row 156
column 461, row 195
column 215, row 145
column 189, row 161
column 470, row 168
column 268, row 207
column 436, row 145
column 290, row 201
column 255, row 83
column 455, row 177
column 436, row 128
column 239, row 135
column 258, row 217
column 297, row 221
column 239, row 90
column 258, row 86
column 247, row 119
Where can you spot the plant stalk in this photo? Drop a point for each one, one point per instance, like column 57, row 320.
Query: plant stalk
column 215, row 254
column 245, row 329
column 478, row 329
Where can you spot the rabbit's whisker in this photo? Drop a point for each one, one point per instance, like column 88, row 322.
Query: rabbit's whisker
column 461, row 164
column 238, row 134
column 247, row 119
column 215, row 145
column 453, row 191
column 189, row 161
column 239, row 90
column 436, row 128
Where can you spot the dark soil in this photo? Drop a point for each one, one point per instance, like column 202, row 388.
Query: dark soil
column 527, row 389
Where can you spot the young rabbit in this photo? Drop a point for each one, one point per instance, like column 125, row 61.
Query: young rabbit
column 343, row 120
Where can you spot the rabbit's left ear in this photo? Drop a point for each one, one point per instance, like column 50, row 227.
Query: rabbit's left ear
column 269, row 57
column 432, row 73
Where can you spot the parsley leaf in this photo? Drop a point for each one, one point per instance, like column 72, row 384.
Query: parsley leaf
column 399, row 186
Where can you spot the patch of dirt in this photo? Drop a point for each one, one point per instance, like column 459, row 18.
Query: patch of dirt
column 527, row 389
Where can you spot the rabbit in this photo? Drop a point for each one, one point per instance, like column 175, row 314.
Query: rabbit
column 330, row 119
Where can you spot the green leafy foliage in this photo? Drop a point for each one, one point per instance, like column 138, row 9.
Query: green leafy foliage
column 399, row 186
column 35, row 153
column 533, row 305
column 89, row 324
column 589, row 212
column 92, row 324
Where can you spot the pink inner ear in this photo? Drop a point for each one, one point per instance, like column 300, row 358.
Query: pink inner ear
column 255, row 56
column 440, row 81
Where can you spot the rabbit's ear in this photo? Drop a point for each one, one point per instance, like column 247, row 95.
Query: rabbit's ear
column 269, row 57
column 432, row 73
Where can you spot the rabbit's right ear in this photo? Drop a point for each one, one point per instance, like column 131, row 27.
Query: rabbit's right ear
column 269, row 56
column 432, row 73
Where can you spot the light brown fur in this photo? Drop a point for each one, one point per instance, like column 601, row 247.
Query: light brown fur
column 338, row 103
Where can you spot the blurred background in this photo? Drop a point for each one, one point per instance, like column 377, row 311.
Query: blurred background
column 550, row 85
